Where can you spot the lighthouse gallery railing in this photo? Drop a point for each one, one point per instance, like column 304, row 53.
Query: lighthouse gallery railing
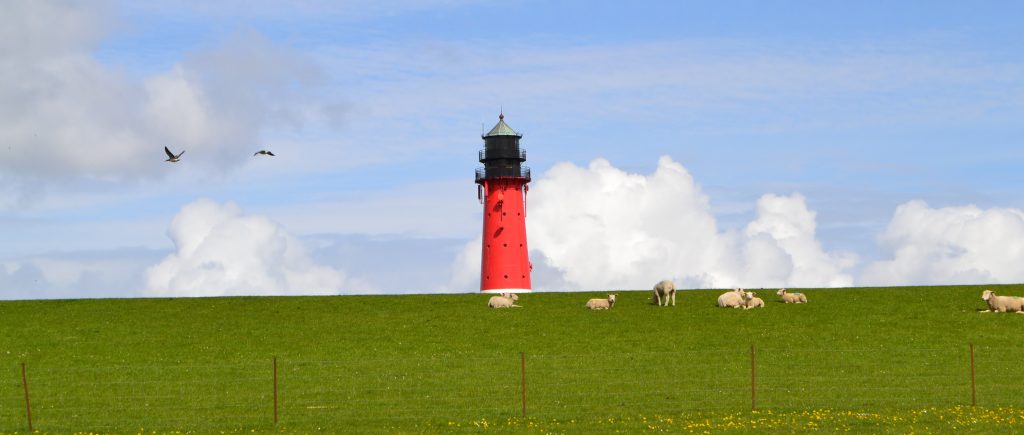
column 484, row 173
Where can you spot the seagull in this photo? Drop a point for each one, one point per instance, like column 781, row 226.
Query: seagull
column 264, row 152
column 171, row 157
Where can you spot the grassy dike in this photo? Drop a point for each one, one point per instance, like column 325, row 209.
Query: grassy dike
column 862, row 359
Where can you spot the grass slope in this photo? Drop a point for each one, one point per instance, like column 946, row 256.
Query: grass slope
column 861, row 359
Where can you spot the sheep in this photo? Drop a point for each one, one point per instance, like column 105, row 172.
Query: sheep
column 732, row 299
column 1002, row 304
column 752, row 301
column 792, row 298
column 506, row 300
column 601, row 304
column 664, row 291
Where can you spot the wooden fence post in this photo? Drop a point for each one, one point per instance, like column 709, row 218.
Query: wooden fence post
column 28, row 407
column 974, row 391
column 522, row 360
column 753, row 378
column 275, row 390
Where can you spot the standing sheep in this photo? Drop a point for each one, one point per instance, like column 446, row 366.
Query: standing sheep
column 663, row 292
column 1002, row 304
column 601, row 304
column 753, row 301
column 506, row 300
column 732, row 299
column 792, row 298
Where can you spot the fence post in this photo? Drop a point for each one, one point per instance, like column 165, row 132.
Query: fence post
column 753, row 379
column 275, row 390
column 974, row 392
column 522, row 360
column 28, row 407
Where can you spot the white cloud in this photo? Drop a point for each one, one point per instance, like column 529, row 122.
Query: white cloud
column 23, row 281
column 951, row 245
column 783, row 238
column 601, row 228
column 65, row 116
column 76, row 274
column 221, row 251
column 22, row 25
column 605, row 228
column 465, row 269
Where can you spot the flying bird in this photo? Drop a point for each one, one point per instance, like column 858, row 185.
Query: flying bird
column 264, row 152
column 171, row 157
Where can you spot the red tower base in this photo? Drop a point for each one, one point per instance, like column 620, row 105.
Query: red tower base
column 506, row 266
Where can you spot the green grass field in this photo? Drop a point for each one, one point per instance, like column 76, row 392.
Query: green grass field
column 869, row 360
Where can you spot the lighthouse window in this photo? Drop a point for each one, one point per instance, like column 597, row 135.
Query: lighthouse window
column 505, row 245
column 506, row 276
column 504, row 214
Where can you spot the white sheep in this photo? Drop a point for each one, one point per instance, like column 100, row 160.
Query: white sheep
column 663, row 292
column 752, row 301
column 601, row 304
column 506, row 300
column 1002, row 304
column 792, row 298
column 732, row 299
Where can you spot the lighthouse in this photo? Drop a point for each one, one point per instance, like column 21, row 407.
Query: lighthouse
column 502, row 186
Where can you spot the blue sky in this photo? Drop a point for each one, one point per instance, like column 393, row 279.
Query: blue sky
column 824, row 143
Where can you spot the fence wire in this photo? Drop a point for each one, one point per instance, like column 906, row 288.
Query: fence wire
column 452, row 387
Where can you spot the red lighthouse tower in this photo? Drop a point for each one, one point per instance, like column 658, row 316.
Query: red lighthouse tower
column 505, row 266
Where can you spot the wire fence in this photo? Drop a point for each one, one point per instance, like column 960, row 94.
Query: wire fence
column 333, row 393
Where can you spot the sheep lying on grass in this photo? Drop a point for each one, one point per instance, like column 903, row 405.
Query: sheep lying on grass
column 601, row 304
column 506, row 300
column 1002, row 304
column 732, row 299
column 663, row 292
column 752, row 301
column 792, row 298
